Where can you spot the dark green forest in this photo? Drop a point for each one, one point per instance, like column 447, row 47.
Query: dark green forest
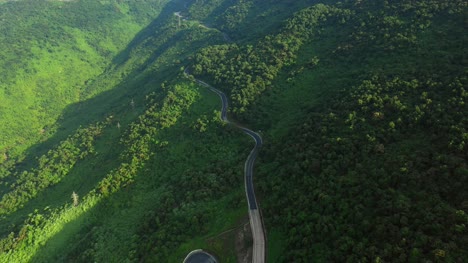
column 109, row 152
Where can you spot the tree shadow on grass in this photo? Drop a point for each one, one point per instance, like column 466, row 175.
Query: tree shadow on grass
column 83, row 233
column 135, row 84
column 115, row 101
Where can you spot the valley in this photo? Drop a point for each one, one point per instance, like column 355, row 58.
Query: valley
column 117, row 143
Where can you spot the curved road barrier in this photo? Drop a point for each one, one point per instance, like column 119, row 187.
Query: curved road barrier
column 199, row 256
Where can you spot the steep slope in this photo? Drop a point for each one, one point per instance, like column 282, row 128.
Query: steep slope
column 51, row 52
column 363, row 107
column 149, row 149
column 361, row 104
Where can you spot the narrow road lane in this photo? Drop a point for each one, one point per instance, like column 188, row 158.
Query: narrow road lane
column 256, row 223
column 199, row 256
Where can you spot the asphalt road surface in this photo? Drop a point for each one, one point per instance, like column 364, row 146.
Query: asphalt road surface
column 199, row 256
column 256, row 223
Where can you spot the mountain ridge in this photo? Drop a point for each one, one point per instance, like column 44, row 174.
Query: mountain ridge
column 361, row 104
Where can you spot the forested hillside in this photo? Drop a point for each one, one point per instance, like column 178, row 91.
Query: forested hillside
column 51, row 52
column 364, row 102
column 109, row 152
column 139, row 168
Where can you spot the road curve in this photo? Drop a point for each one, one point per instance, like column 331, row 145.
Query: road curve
column 199, row 256
column 256, row 223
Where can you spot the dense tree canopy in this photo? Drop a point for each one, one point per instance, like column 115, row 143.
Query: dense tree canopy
column 377, row 171
column 362, row 106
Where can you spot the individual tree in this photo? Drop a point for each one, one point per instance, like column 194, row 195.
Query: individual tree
column 75, row 198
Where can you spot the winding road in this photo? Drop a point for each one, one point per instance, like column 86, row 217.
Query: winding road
column 255, row 218
column 256, row 223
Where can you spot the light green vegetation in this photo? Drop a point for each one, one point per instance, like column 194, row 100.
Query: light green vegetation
column 50, row 51
column 361, row 105
column 151, row 150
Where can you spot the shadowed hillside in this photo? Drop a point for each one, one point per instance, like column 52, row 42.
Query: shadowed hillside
column 110, row 153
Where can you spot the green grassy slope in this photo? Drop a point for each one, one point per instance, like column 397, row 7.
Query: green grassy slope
column 150, row 149
column 50, row 52
column 362, row 106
